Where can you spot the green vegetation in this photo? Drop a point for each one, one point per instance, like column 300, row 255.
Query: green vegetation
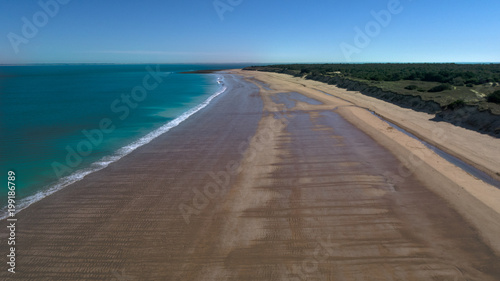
column 457, row 104
column 445, row 84
column 454, row 74
column 495, row 97
column 440, row 88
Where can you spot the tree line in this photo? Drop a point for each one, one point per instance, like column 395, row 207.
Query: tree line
column 451, row 73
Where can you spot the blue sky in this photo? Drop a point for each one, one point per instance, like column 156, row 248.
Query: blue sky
column 266, row 31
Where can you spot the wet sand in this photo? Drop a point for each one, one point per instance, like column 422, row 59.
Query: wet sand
column 263, row 184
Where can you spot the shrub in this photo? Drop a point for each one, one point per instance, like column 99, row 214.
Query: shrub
column 395, row 77
column 456, row 104
column 411, row 87
column 440, row 88
column 458, row 81
column 495, row 97
column 472, row 81
column 470, row 85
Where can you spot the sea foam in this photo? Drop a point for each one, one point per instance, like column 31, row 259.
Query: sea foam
column 120, row 153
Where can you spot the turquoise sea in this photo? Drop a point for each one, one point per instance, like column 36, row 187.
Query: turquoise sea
column 59, row 123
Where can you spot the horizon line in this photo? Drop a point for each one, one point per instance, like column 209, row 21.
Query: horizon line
column 229, row 63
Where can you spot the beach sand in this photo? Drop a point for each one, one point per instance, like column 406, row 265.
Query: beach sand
column 274, row 180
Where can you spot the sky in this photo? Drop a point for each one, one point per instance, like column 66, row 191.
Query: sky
column 254, row 31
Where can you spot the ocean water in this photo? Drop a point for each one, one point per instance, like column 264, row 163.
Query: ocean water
column 59, row 123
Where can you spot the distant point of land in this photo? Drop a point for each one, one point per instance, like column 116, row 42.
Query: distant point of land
column 204, row 71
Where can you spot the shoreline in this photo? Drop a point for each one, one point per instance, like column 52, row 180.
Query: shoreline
column 120, row 198
column 256, row 185
column 109, row 159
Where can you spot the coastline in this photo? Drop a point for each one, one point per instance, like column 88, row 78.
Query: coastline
column 115, row 156
column 252, row 186
column 204, row 71
column 130, row 192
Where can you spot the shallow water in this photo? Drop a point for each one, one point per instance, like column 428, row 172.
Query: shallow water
column 61, row 122
column 450, row 158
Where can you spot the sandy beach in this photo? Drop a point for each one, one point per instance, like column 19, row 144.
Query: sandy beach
column 279, row 178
